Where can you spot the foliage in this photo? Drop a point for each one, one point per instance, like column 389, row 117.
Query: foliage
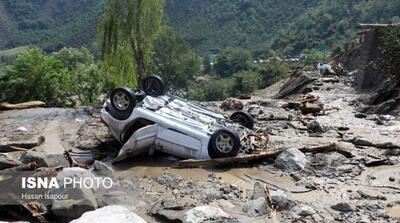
column 213, row 90
column 245, row 82
column 133, row 24
column 35, row 75
column 272, row 71
column 389, row 63
column 290, row 25
column 230, row 61
column 312, row 57
column 173, row 59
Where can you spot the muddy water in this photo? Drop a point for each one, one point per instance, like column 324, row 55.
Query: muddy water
column 242, row 177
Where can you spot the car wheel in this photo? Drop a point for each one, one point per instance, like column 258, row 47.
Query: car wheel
column 123, row 101
column 154, row 86
column 243, row 118
column 223, row 143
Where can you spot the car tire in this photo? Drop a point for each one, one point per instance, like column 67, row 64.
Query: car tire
column 154, row 86
column 223, row 143
column 243, row 118
column 123, row 101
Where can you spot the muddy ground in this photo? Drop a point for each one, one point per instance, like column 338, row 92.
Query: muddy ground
column 320, row 187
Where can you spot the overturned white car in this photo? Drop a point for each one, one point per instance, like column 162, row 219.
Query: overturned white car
column 144, row 120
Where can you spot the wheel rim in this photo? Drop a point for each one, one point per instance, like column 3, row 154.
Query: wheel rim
column 224, row 143
column 153, row 86
column 121, row 101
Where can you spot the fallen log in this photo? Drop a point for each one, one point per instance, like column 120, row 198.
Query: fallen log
column 23, row 167
column 192, row 163
column 25, row 105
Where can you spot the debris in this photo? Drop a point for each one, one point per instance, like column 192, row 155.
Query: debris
column 314, row 126
column 342, row 207
column 304, row 210
column 308, row 108
column 325, row 69
column 114, row 213
column 22, row 129
column 203, row 213
column 281, row 200
column 43, row 159
column 291, row 159
column 231, row 104
column 31, row 104
column 360, row 115
column 297, row 81
column 257, row 207
column 192, row 163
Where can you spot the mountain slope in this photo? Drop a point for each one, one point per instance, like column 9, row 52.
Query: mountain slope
column 258, row 25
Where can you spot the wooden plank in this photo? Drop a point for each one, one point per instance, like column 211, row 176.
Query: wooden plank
column 25, row 105
column 192, row 163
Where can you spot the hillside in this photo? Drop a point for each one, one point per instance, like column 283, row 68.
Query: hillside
column 254, row 24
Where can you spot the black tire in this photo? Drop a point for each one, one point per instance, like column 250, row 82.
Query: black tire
column 154, row 86
column 216, row 150
column 243, row 118
column 123, row 101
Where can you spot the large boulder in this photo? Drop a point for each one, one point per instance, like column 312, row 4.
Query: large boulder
column 257, row 207
column 109, row 214
column 204, row 213
column 80, row 199
column 44, row 159
column 291, row 159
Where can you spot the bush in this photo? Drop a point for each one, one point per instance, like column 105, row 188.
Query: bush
column 35, row 75
column 245, row 82
column 272, row 71
column 214, row 90
column 312, row 57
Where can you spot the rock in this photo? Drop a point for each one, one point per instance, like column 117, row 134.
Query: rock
column 109, row 214
column 7, row 160
column 310, row 108
column 80, row 200
column 360, row 115
column 231, row 104
column 291, row 159
column 22, row 129
column 342, row 207
column 44, row 159
column 314, row 126
column 332, row 134
column 102, row 168
column 362, row 142
column 304, row 210
column 281, row 199
column 257, row 207
column 343, row 128
column 258, row 191
column 204, row 213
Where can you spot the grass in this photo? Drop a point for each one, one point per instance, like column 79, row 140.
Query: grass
column 14, row 51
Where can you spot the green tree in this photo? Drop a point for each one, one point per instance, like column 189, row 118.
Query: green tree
column 272, row 71
column 388, row 63
column 230, row 61
column 35, row 76
column 173, row 59
column 133, row 24
column 312, row 57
